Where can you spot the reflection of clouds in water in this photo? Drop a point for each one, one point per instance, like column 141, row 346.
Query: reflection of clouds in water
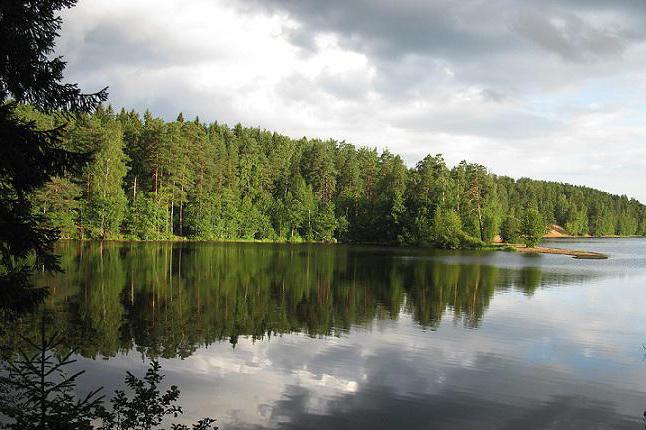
column 394, row 372
column 249, row 360
column 244, row 383
column 595, row 318
column 487, row 392
column 325, row 381
column 325, row 386
column 299, row 378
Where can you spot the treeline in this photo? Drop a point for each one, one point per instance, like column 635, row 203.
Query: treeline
column 150, row 179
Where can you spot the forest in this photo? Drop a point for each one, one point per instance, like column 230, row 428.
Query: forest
column 151, row 179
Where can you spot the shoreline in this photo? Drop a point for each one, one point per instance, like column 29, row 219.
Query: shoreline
column 574, row 253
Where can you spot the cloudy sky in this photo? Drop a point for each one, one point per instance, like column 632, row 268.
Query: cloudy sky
column 552, row 89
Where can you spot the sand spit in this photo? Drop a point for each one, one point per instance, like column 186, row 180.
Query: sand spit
column 578, row 254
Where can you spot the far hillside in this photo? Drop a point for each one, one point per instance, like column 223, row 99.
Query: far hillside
column 151, row 179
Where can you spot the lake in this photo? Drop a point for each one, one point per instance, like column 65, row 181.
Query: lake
column 334, row 336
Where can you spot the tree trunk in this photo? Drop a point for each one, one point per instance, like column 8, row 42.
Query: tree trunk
column 480, row 223
column 181, row 219
column 181, row 212
column 172, row 217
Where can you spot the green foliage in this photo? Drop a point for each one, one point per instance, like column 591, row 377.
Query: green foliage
column 324, row 223
column 603, row 221
column 627, row 224
column 510, row 229
column 300, row 206
column 59, row 202
column 532, row 227
column 146, row 218
column 212, row 182
column 576, row 221
column 198, row 218
column 447, row 229
column 105, row 202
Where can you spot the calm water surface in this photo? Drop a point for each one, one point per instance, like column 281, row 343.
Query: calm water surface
column 279, row 336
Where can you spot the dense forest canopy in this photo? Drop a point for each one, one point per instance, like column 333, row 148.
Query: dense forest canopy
column 152, row 179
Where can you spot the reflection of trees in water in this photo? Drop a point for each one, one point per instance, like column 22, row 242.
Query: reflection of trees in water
column 169, row 299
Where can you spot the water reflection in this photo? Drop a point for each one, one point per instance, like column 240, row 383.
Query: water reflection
column 362, row 337
column 169, row 299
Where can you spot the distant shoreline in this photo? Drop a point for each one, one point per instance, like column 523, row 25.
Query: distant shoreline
column 635, row 236
column 555, row 231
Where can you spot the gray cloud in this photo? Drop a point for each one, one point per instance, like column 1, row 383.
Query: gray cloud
column 498, row 44
column 494, row 95
column 569, row 36
column 458, row 30
column 382, row 27
column 112, row 43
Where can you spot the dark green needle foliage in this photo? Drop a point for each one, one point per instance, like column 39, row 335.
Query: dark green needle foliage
column 31, row 155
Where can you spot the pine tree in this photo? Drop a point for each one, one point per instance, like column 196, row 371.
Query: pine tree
column 147, row 406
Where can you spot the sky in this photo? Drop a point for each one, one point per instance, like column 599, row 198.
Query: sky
column 551, row 90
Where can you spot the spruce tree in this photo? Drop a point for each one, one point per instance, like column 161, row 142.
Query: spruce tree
column 30, row 156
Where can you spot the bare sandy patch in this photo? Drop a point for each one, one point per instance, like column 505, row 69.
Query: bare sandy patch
column 556, row 231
